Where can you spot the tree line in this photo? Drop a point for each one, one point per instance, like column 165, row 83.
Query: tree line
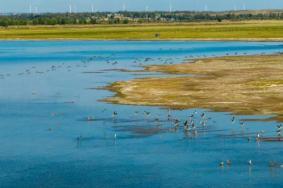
column 133, row 17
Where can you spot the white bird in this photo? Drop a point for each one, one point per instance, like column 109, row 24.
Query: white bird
column 250, row 162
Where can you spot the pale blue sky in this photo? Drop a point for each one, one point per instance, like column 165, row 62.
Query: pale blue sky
column 114, row 5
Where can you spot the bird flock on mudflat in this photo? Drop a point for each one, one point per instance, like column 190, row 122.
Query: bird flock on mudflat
column 193, row 124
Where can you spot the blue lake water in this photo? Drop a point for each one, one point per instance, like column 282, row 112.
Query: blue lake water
column 49, row 89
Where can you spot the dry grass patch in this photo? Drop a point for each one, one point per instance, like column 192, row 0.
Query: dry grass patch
column 247, row 85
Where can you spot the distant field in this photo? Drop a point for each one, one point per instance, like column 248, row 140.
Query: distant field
column 251, row 30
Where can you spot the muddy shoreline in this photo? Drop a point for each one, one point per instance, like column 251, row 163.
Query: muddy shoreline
column 243, row 85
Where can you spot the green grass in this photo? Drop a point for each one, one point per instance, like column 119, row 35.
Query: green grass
column 252, row 30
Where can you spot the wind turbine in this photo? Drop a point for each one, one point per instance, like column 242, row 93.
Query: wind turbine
column 205, row 7
column 170, row 7
column 244, row 6
column 36, row 10
column 235, row 8
column 70, row 9
column 146, row 8
column 92, row 8
column 124, row 8
column 30, row 8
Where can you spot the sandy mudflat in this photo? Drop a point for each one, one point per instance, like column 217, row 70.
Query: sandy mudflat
column 246, row 85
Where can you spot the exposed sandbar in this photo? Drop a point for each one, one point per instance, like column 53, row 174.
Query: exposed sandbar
column 244, row 85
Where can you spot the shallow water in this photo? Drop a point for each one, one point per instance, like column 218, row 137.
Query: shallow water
column 49, row 89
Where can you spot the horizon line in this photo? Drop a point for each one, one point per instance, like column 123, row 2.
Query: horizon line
column 140, row 11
